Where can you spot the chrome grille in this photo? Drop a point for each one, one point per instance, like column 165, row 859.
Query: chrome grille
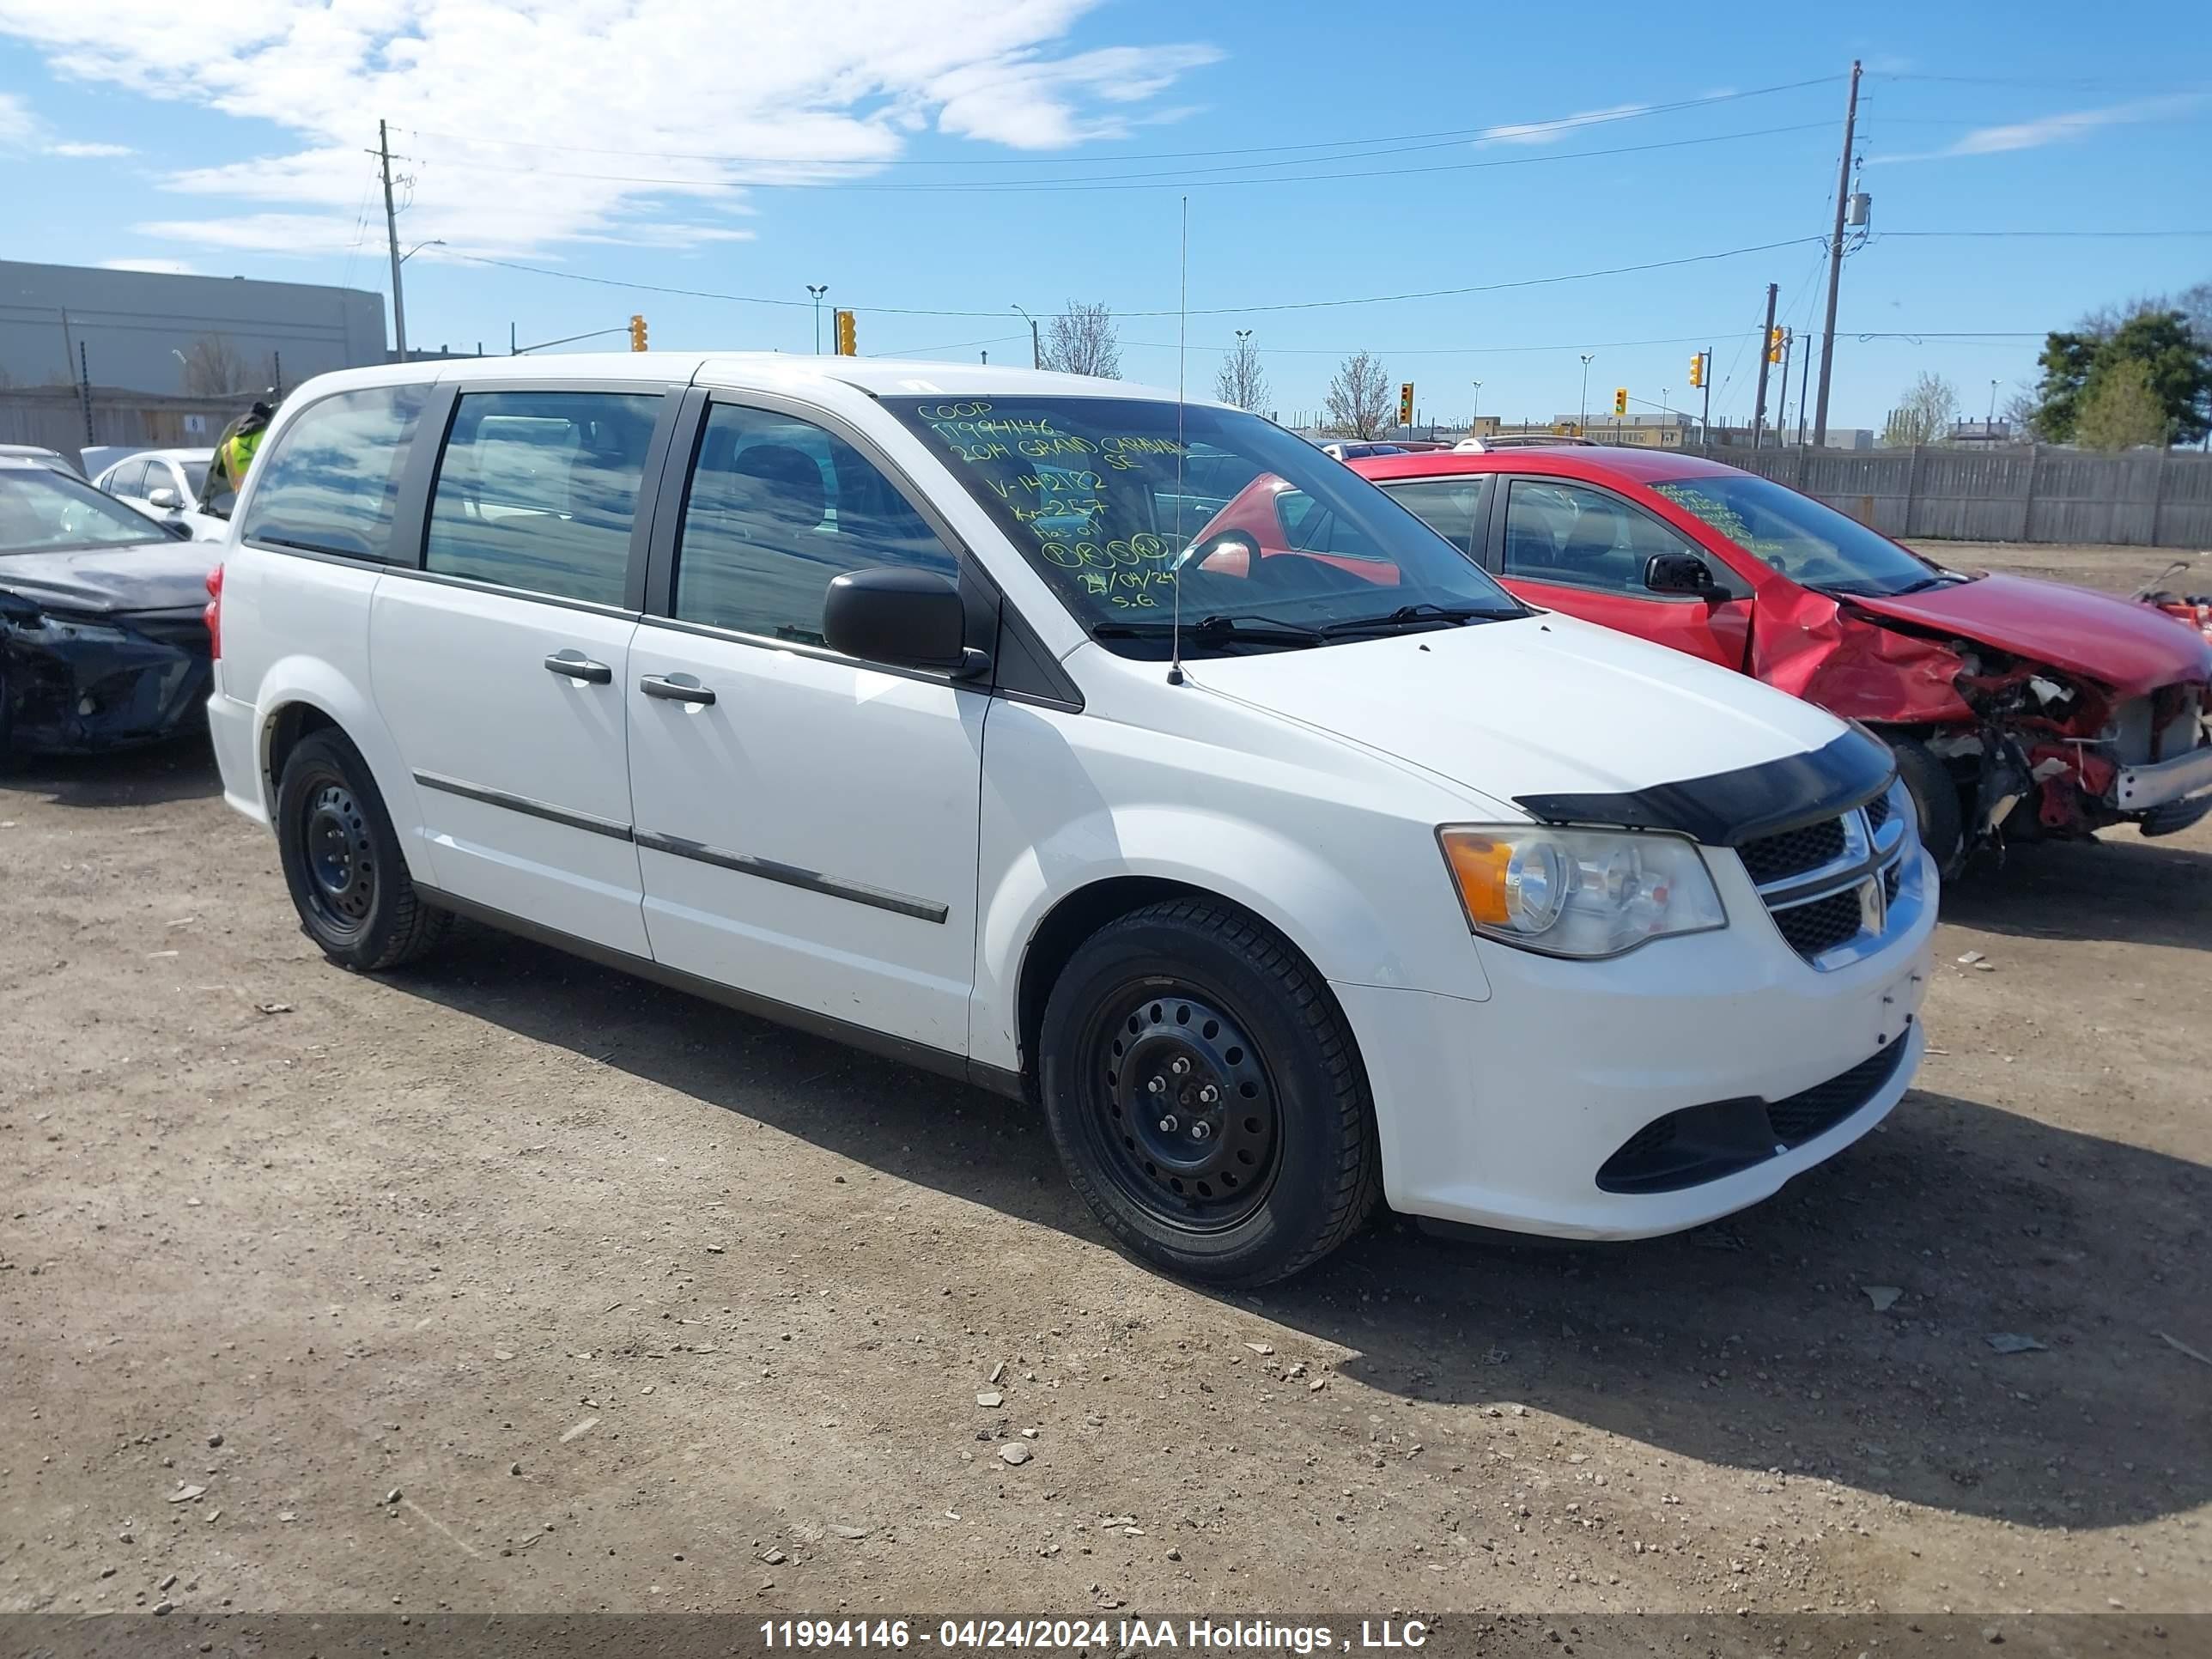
column 1838, row 888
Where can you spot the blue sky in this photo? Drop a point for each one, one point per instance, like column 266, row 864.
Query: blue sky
column 752, row 150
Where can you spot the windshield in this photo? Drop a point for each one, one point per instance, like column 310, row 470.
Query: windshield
column 1285, row 547
column 1812, row 544
column 41, row 509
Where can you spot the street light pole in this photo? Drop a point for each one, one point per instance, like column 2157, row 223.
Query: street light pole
column 1990, row 425
column 1474, row 413
column 1581, row 426
column 817, row 289
column 1036, row 345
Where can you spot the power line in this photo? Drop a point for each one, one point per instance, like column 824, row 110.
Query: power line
column 1205, row 310
column 1505, row 129
column 1884, row 235
column 1082, row 183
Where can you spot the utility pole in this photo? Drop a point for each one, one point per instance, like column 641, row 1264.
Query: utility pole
column 1835, row 259
column 1705, row 423
column 392, row 234
column 1803, row 381
column 1782, row 397
column 1765, row 350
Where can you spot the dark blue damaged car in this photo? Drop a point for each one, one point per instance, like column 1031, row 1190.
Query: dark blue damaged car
column 103, row 639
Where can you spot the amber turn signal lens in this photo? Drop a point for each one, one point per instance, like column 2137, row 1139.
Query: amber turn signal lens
column 1478, row 863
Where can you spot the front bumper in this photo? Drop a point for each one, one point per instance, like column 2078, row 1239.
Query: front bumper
column 83, row 687
column 1502, row 1114
column 2140, row 788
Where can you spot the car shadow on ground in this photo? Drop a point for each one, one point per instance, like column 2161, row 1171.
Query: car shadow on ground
column 180, row 769
column 2121, row 888
column 1754, row 1344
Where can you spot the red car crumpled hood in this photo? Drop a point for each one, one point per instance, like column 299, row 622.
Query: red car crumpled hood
column 2133, row 648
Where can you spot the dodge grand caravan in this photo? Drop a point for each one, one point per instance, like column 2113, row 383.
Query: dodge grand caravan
column 927, row 707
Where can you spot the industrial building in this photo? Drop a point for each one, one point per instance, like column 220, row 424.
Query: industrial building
column 145, row 331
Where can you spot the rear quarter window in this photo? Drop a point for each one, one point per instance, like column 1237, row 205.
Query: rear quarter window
column 330, row 483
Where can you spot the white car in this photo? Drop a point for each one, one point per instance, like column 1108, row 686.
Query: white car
column 166, row 482
column 858, row 694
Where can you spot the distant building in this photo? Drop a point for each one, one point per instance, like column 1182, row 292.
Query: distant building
column 145, row 331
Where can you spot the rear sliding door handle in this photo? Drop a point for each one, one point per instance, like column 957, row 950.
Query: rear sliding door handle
column 578, row 667
column 659, row 685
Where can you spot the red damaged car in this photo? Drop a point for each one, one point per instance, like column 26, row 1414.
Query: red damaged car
column 2016, row 708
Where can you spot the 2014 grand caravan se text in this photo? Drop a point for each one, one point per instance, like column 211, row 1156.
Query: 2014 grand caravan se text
column 859, row 696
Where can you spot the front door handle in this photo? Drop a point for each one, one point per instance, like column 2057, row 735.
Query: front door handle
column 658, row 686
column 577, row 666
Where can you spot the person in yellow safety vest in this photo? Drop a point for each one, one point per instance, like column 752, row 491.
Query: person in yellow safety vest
column 233, row 453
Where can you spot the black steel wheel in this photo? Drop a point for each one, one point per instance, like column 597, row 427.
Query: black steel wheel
column 1206, row 1094
column 341, row 860
column 1184, row 1106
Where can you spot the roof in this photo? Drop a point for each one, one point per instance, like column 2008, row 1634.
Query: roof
column 1602, row 461
column 765, row 370
column 200, row 454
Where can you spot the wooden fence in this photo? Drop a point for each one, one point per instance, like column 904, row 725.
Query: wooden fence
column 2015, row 493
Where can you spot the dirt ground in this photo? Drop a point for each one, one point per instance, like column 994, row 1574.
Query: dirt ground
column 511, row 1284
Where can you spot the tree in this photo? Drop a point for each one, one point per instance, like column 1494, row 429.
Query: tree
column 1925, row 414
column 1241, row 381
column 2019, row 414
column 2121, row 409
column 2175, row 354
column 1083, row 340
column 1358, row 403
column 214, row 369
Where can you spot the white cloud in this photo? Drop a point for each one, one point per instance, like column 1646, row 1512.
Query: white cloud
column 1545, row 132
column 476, row 92
column 159, row 267
column 18, row 126
column 2054, row 128
column 79, row 149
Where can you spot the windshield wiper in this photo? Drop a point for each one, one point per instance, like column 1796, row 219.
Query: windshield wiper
column 1941, row 578
column 1411, row 615
column 1218, row 629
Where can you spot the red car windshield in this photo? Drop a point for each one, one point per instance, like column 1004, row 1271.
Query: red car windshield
column 1813, row 546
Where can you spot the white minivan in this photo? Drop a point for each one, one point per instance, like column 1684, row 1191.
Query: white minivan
column 1120, row 753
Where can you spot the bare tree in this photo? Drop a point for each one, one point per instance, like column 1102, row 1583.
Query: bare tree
column 1358, row 403
column 214, row 369
column 1083, row 340
column 2019, row 413
column 1242, row 380
column 1924, row 414
column 2121, row 409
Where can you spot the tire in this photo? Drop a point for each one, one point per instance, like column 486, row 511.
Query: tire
column 343, row 863
column 1935, row 796
column 1287, row 1167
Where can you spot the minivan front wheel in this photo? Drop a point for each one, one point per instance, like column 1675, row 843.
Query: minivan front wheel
column 1206, row 1096
column 342, row 860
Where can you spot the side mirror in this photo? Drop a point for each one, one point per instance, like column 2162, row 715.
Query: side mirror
column 1678, row 573
column 165, row 498
column 914, row 618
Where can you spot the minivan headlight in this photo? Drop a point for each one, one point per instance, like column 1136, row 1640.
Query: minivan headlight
column 1578, row 892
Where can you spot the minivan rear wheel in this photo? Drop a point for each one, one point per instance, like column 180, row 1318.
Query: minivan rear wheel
column 343, row 864
column 1206, row 1096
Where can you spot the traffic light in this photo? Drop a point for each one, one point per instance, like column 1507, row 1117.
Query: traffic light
column 636, row 333
column 1620, row 400
column 1406, row 404
column 847, row 343
column 1774, row 337
column 1697, row 371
